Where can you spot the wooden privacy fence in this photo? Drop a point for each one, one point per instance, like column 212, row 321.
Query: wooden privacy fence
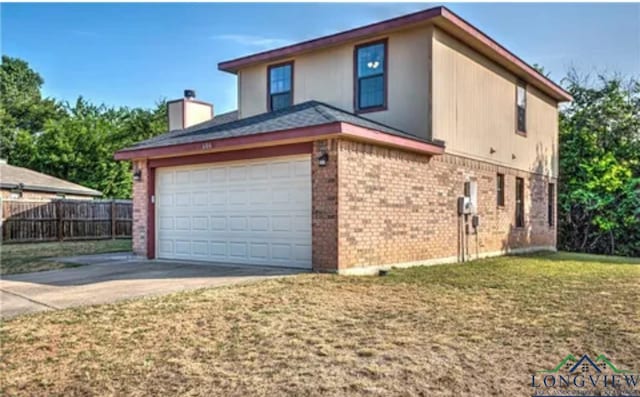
column 65, row 220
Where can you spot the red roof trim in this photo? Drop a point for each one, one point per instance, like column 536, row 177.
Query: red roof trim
column 273, row 138
column 233, row 155
column 390, row 140
column 334, row 39
column 334, row 129
column 503, row 52
column 363, row 32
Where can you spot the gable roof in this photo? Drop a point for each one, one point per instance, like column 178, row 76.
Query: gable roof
column 297, row 118
column 440, row 16
column 12, row 177
column 588, row 360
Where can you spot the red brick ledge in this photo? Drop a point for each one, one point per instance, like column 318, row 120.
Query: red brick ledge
column 283, row 137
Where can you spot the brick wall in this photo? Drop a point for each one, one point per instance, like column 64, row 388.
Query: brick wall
column 324, row 206
column 140, row 207
column 377, row 206
column 397, row 207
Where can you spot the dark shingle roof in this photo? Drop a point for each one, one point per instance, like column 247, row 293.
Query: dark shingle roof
column 307, row 114
column 12, row 177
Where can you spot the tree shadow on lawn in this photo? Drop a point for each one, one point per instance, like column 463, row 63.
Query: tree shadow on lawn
column 581, row 258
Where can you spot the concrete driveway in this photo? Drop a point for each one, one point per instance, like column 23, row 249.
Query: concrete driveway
column 109, row 278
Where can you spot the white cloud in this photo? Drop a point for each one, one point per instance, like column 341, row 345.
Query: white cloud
column 252, row 41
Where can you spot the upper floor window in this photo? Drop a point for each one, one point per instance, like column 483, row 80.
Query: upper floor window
column 280, row 86
column 371, row 76
column 521, row 107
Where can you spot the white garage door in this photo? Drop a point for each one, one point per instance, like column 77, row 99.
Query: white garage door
column 253, row 212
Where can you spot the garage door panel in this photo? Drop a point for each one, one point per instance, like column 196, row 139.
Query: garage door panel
column 217, row 175
column 238, row 249
column 182, row 177
column 200, row 223
column 218, row 249
column 166, row 223
column 238, row 223
column 218, row 197
column 237, row 197
column 183, row 223
column 165, row 246
column 199, row 176
column 257, row 212
column 182, row 247
column 182, row 199
column 302, row 252
column 237, row 173
column 200, row 248
column 259, row 223
column 200, row 199
column 259, row 250
column 219, row 223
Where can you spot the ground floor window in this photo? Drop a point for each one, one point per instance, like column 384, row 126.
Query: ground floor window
column 551, row 200
column 500, row 190
column 519, row 202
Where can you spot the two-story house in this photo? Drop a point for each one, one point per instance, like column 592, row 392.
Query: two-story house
column 414, row 140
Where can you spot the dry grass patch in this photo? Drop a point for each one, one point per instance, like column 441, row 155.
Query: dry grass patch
column 474, row 329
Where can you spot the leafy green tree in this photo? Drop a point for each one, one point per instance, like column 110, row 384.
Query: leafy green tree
column 22, row 108
column 73, row 142
column 80, row 147
column 599, row 190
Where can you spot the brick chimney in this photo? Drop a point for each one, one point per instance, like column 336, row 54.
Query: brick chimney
column 188, row 111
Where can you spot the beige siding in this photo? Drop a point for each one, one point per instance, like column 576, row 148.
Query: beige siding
column 474, row 111
column 252, row 96
column 192, row 112
column 327, row 76
column 175, row 115
column 196, row 113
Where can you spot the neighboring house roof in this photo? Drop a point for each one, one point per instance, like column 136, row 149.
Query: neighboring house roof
column 442, row 17
column 296, row 119
column 12, row 177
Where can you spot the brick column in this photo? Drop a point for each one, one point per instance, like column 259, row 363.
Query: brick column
column 140, row 209
column 324, row 228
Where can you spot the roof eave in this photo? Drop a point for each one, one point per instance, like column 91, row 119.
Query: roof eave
column 48, row 189
column 456, row 24
column 438, row 14
column 361, row 32
column 281, row 137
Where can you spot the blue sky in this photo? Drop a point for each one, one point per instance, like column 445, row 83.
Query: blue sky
column 135, row 54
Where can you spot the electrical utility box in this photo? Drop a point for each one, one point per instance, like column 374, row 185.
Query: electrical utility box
column 470, row 204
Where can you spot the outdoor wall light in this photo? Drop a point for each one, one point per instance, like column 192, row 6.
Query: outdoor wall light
column 323, row 159
column 137, row 175
column 492, row 150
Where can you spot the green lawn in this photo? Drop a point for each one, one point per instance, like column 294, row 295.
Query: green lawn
column 24, row 258
column 474, row 329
